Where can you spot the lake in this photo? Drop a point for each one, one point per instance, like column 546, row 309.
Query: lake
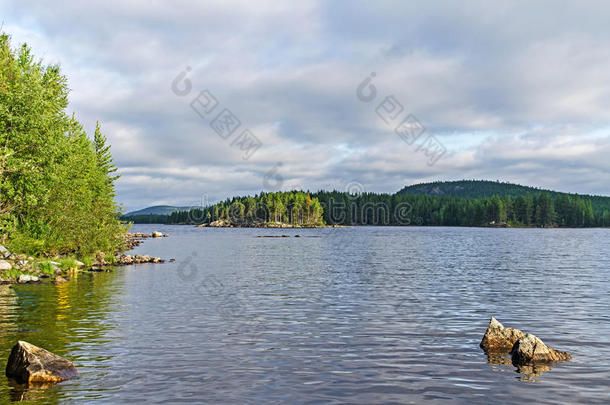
column 340, row 315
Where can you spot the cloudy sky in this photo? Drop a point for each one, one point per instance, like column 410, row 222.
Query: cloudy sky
column 517, row 92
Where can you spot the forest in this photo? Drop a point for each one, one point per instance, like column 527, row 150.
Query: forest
column 296, row 208
column 56, row 182
column 529, row 207
column 542, row 210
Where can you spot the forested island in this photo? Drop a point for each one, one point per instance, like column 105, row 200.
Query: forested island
column 56, row 182
column 461, row 203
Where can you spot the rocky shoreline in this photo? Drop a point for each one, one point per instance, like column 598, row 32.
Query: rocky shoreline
column 22, row 269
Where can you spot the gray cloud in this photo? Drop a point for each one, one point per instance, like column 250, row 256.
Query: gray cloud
column 516, row 92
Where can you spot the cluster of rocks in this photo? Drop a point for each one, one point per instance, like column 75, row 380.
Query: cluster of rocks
column 29, row 269
column 219, row 223
column 135, row 239
column 277, row 236
column 124, row 259
column 527, row 352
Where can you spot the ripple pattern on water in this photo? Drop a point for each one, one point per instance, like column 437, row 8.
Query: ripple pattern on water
column 356, row 315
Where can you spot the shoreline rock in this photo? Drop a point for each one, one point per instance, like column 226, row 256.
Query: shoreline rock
column 125, row 260
column 30, row 270
column 28, row 363
column 59, row 280
column 26, row 278
column 135, row 239
column 223, row 223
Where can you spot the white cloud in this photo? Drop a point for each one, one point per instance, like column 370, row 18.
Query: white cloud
column 525, row 101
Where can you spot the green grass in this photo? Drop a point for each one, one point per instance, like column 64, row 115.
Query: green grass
column 67, row 263
column 12, row 274
column 46, row 268
column 88, row 260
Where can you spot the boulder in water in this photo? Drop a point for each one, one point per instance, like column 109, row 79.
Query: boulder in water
column 531, row 349
column 498, row 337
column 28, row 363
column 59, row 280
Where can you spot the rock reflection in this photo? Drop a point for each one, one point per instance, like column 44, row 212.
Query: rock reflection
column 69, row 319
column 43, row 392
column 528, row 370
column 502, row 359
column 534, row 369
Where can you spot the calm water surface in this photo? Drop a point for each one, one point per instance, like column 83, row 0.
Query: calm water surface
column 358, row 315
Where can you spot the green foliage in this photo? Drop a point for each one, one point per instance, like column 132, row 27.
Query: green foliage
column 56, row 185
column 67, row 263
column 333, row 207
column 295, row 207
column 542, row 209
column 46, row 268
column 12, row 274
column 562, row 209
column 24, row 243
column 88, row 261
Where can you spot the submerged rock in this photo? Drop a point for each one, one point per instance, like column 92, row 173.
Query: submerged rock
column 498, row 337
column 28, row 363
column 531, row 348
column 59, row 280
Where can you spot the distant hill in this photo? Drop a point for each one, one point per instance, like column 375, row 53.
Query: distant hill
column 157, row 210
column 476, row 189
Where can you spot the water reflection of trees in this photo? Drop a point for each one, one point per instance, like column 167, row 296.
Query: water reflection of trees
column 70, row 319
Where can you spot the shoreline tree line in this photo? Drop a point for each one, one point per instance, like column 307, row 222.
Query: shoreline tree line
column 56, row 183
column 539, row 209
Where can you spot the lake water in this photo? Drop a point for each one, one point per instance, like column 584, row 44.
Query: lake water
column 348, row 315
